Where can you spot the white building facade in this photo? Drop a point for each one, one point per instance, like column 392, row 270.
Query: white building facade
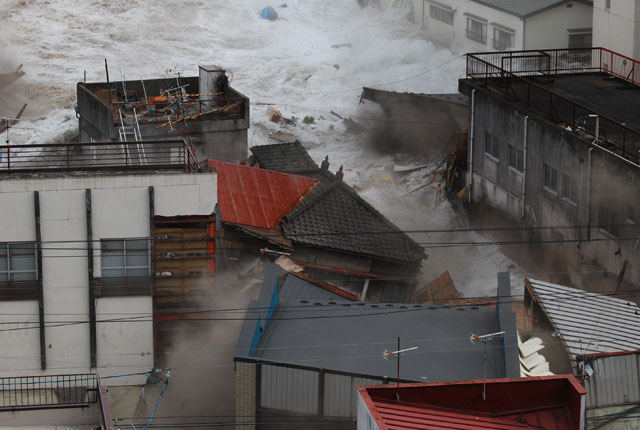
column 616, row 26
column 62, row 239
column 492, row 25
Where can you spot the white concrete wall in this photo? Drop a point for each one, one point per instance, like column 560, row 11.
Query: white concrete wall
column 455, row 36
column 120, row 208
column 548, row 29
column 618, row 28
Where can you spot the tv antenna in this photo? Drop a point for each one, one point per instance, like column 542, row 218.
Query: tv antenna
column 391, row 355
column 484, row 339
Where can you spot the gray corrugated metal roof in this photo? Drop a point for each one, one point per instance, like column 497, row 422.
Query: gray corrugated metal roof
column 351, row 337
column 522, row 8
column 589, row 322
column 615, row 381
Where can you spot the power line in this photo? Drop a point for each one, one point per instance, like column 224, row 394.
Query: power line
column 348, row 305
column 332, row 308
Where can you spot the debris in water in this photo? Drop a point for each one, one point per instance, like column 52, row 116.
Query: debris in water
column 269, row 13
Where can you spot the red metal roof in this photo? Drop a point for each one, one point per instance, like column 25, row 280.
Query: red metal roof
column 257, row 197
column 550, row 403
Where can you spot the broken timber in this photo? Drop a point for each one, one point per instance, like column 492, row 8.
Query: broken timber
column 9, row 122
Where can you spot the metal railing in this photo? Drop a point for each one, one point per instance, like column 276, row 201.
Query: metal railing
column 511, row 73
column 46, row 392
column 163, row 154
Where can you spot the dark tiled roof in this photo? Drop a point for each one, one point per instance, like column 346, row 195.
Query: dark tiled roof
column 337, row 218
column 285, row 157
column 524, row 8
column 333, row 215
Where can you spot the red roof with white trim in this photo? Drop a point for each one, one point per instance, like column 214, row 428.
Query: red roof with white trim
column 549, row 403
column 257, row 197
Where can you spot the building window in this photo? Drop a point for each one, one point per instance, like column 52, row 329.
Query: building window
column 516, row 159
column 550, row 178
column 441, row 14
column 606, row 220
column 477, row 30
column 503, row 40
column 580, row 41
column 569, row 188
column 18, row 261
column 491, row 145
column 125, row 257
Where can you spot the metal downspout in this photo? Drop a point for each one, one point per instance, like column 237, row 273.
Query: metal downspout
column 589, row 195
column 524, row 167
column 471, row 130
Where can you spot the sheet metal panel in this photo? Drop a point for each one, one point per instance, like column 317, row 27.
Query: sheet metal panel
column 589, row 322
column 289, row 389
column 257, row 197
column 615, row 381
column 341, row 394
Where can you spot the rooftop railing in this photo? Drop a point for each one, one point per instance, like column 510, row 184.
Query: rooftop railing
column 46, row 392
column 512, row 71
column 67, row 157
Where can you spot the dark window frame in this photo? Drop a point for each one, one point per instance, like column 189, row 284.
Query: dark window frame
column 569, row 191
column 550, row 178
column 479, row 33
column 491, row 146
column 441, row 14
column 7, row 273
column 498, row 42
column 516, row 159
column 125, row 270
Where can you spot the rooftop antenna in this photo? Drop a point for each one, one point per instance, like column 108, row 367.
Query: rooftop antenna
column 390, row 355
column 484, row 339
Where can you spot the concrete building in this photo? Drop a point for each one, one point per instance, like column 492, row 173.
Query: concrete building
column 80, row 266
column 554, row 142
column 304, row 350
column 214, row 124
column 616, row 25
column 500, row 25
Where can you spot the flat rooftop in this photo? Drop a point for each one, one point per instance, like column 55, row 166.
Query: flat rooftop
column 607, row 95
column 568, row 87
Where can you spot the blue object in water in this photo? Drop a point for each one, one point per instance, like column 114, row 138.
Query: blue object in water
column 268, row 13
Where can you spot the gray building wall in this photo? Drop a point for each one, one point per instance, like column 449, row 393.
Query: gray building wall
column 599, row 178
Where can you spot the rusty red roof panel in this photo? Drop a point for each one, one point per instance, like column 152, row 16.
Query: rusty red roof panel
column 549, row 403
column 257, row 197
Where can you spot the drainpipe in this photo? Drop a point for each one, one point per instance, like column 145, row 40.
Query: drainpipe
column 589, row 195
column 524, row 157
column 473, row 119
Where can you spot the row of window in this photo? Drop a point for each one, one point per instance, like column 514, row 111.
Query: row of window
column 568, row 189
column 516, row 162
column 476, row 29
column 120, row 258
